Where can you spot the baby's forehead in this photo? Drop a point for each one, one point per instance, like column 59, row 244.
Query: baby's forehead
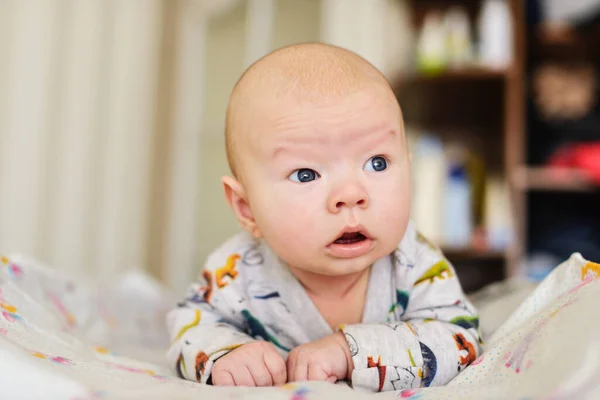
column 361, row 107
column 292, row 79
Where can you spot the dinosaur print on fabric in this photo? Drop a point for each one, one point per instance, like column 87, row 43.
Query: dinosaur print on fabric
column 189, row 326
column 201, row 360
column 257, row 329
column 351, row 344
column 429, row 365
column 467, row 321
column 422, row 239
column 466, row 351
column 253, row 256
column 440, row 270
column 228, row 270
column 180, row 367
column 208, row 289
column 401, row 301
column 401, row 378
column 381, row 369
column 405, row 339
column 272, row 295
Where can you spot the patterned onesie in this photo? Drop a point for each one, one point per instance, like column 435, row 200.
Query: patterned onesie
column 418, row 328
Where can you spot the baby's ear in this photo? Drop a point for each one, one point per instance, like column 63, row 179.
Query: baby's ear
column 238, row 201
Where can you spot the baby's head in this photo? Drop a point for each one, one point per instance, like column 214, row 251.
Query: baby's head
column 320, row 167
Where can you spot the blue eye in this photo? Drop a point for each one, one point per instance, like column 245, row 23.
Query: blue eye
column 376, row 164
column 304, row 175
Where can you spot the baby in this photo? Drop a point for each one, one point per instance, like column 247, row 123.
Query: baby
column 330, row 280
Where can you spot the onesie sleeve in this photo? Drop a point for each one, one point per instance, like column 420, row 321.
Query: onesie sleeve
column 207, row 324
column 432, row 333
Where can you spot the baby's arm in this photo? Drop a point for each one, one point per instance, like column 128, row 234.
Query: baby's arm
column 436, row 338
column 200, row 335
column 209, row 343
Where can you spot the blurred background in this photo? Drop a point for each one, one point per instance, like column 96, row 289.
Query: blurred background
column 112, row 115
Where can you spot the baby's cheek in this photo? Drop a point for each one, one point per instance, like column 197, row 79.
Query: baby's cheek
column 293, row 239
column 282, row 217
column 393, row 209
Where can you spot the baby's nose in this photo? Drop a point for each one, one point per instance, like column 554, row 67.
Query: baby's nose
column 349, row 196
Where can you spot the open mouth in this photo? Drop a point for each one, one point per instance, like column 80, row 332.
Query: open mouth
column 350, row 238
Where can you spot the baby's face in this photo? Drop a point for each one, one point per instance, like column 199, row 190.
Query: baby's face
column 328, row 183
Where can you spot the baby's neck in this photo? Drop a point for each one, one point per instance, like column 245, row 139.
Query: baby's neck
column 332, row 287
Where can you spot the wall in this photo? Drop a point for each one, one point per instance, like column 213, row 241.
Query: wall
column 79, row 87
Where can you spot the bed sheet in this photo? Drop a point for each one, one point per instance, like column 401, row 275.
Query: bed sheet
column 62, row 338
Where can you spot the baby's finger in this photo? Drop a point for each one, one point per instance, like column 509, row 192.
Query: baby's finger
column 242, row 376
column 276, row 367
column 291, row 367
column 316, row 373
column 300, row 372
column 222, row 378
column 260, row 374
column 332, row 379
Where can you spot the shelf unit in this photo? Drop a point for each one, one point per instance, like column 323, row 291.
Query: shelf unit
column 471, row 253
column 459, row 75
column 497, row 122
column 493, row 108
column 558, row 204
column 552, row 179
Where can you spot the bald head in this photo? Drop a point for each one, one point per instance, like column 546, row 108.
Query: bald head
column 298, row 73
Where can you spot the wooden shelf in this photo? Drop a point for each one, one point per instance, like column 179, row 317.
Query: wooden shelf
column 470, row 254
column 552, row 179
column 458, row 75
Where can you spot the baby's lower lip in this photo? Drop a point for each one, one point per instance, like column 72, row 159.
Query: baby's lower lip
column 350, row 250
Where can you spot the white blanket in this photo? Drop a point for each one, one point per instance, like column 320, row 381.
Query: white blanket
column 61, row 339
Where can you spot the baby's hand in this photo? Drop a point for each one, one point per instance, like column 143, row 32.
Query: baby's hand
column 327, row 359
column 253, row 364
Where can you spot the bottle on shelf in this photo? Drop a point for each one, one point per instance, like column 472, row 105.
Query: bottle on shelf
column 429, row 176
column 458, row 211
column 495, row 35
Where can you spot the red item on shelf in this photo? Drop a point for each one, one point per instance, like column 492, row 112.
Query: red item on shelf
column 584, row 157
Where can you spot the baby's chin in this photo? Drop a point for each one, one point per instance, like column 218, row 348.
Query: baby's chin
column 331, row 267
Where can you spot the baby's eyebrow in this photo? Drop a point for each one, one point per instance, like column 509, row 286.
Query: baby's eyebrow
column 279, row 150
column 383, row 138
column 294, row 146
column 304, row 145
column 282, row 150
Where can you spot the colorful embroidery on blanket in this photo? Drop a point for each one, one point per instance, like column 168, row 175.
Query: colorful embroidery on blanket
column 139, row 371
column 299, row 392
column 9, row 312
column 13, row 269
column 478, row 360
column 62, row 309
column 590, row 270
column 103, row 350
column 517, row 359
column 54, row 359
column 412, row 394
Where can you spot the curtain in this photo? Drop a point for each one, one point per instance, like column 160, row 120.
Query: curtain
column 100, row 118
